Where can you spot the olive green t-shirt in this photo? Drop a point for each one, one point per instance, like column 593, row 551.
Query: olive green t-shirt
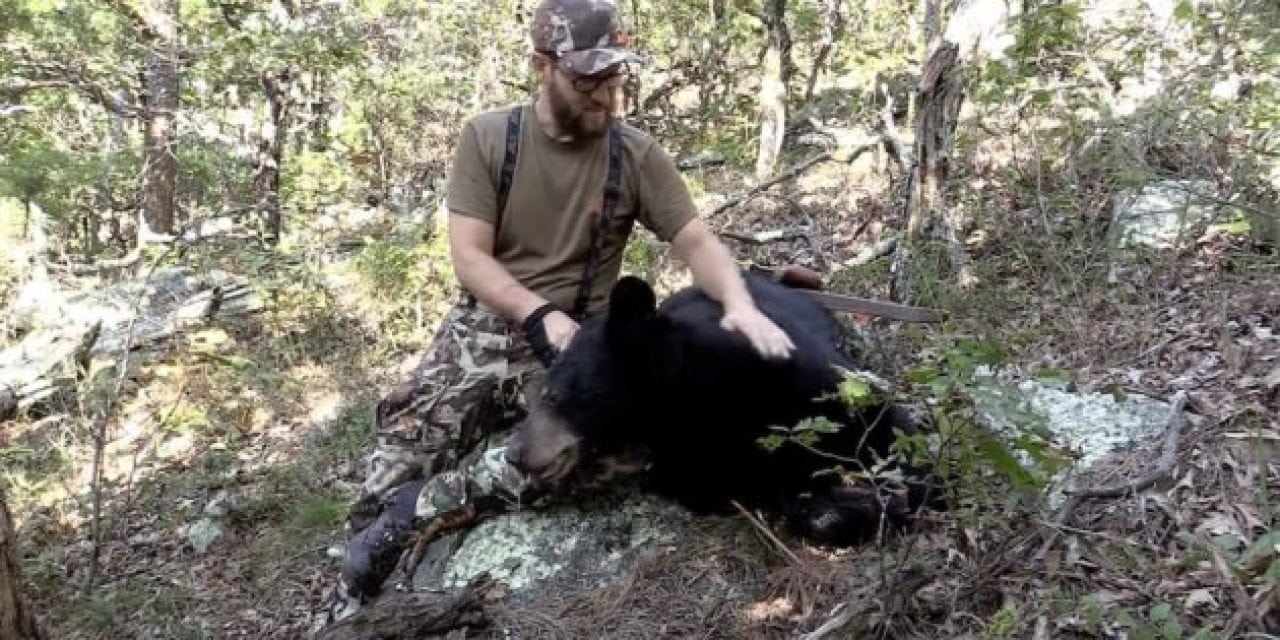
column 556, row 195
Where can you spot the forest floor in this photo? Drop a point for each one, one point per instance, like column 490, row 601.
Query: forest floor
column 234, row 453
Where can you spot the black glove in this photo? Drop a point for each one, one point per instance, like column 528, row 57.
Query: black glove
column 536, row 334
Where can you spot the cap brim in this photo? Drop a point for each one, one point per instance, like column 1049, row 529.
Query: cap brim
column 592, row 61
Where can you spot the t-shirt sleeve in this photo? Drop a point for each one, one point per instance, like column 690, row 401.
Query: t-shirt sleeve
column 666, row 203
column 471, row 190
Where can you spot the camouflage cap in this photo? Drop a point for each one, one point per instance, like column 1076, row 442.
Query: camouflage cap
column 585, row 36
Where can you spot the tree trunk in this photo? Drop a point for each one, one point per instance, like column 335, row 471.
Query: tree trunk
column 931, row 23
column 941, row 92
column 773, row 87
column 38, row 233
column 161, row 167
column 832, row 32
column 16, row 620
column 266, row 175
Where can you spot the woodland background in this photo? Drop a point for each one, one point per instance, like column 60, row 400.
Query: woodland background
column 968, row 155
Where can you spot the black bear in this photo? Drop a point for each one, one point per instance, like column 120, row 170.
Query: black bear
column 697, row 400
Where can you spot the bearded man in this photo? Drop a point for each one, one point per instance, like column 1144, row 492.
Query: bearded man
column 542, row 198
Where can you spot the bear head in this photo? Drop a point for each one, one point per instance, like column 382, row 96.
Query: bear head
column 594, row 393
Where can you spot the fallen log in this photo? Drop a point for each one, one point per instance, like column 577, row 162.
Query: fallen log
column 418, row 614
column 39, row 374
column 43, row 369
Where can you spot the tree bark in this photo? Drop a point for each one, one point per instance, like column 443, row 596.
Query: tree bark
column 832, row 32
column 941, row 93
column 16, row 620
column 773, row 87
column 266, row 175
column 37, row 222
column 159, row 200
column 932, row 23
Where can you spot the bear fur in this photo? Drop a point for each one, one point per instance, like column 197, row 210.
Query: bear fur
column 696, row 399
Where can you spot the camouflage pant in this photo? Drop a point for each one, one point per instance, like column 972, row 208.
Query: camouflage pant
column 470, row 382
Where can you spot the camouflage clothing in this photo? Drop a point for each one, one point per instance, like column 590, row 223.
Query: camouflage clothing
column 469, row 383
column 443, row 424
column 489, row 483
column 584, row 35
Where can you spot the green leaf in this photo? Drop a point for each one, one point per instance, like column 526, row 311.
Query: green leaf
column 988, row 352
column 1123, row 619
column 1266, row 544
column 998, row 454
column 856, row 392
column 771, row 442
column 817, row 424
column 1238, row 226
column 1092, row 613
column 1160, row 612
column 1184, row 12
column 1205, row 633
column 922, row 375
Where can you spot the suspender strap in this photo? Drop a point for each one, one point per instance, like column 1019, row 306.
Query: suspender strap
column 508, row 161
column 612, row 191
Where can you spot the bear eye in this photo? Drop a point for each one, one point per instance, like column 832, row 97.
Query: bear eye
column 549, row 396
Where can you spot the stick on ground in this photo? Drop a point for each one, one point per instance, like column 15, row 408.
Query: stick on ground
column 767, row 533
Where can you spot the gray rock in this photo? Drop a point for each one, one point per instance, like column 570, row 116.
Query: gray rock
column 1091, row 425
column 598, row 537
column 1163, row 214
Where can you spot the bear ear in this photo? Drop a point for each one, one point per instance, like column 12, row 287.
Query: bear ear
column 632, row 299
column 632, row 305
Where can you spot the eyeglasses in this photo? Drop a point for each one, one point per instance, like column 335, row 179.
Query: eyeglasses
column 612, row 78
column 588, row 85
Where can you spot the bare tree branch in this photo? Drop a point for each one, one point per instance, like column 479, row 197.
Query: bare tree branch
column 52, row 74
column 140, row 24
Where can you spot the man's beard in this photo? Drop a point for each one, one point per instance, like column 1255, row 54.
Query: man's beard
column 581, row 125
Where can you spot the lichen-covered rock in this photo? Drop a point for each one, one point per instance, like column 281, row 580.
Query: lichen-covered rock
column 596, row 537
column 1164, row 214
column 1091, row 425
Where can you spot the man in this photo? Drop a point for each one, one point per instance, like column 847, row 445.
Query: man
column 542, row 199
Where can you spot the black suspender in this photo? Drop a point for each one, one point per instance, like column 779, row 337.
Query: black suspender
column 508, row 163
column 612, row 189
column 612, row 192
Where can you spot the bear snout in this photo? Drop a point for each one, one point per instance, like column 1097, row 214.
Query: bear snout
column 543, row 449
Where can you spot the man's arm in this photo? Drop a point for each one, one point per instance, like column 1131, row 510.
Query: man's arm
column 716, row 272
column 471, row 246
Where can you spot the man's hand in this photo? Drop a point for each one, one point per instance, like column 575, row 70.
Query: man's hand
column 560, row 329
column 766, row 337
column 715, row 270
column 548, row 331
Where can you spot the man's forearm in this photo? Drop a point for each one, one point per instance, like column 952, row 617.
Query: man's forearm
column 493, row 285
column 717, row 273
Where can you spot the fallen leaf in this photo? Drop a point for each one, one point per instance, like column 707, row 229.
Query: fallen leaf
column 1199, row 598
column 1220, row 523
column 1273, row 379
column 1251, row 518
